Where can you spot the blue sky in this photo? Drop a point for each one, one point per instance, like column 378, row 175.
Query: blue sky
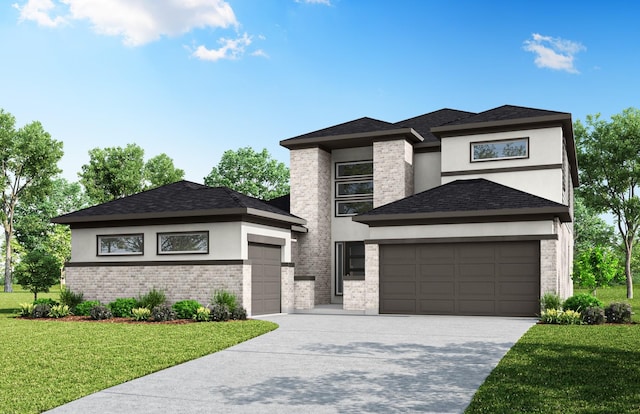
column 193, row 78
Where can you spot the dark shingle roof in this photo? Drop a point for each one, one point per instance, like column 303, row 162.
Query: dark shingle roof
column 352, row 127
column 173, row 200
column 423, row 123
column 505, row 112
column 282, row 202
column 466, row 198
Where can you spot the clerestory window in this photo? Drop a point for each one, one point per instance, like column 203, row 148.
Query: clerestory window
column 353, row 187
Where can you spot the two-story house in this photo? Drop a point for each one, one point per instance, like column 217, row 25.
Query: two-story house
column 450, row 212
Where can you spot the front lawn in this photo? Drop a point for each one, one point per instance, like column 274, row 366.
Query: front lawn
column 568, row 369
column 45, row 363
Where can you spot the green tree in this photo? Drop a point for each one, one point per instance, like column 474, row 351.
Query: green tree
column 28, row 160
column 33, row 227
column 589, row 229
column 118, row 172
column 596, row 267
column 252, row 173
column 38, row 271
column 609, row 157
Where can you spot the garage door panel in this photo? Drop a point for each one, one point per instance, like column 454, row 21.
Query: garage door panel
column 265, row 278
column 492, row 278
column 397, row 253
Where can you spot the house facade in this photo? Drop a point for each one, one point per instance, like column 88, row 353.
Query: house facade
column 450, row 212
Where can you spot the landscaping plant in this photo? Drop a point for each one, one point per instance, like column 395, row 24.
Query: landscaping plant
column 550, row 300
column 219, row 312
column 41, row 311
column 59, row 311
column 37, row 272
column 152, row 299
column 121, row 307
column 581, row 301
column 26, row 309
column 141, row 314
column 186, row 309
column 224, row 297
column 100, row 312
column 162, row 313
column 84, row 308
column 593, row 315
column 618, row 312
column 71, row 299
column 202, row 314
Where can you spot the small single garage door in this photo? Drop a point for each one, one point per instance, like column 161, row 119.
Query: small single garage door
column 493, row 278
column 265, row 278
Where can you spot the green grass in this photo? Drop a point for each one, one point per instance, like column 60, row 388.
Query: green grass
column 568, row 369
column 44, row 364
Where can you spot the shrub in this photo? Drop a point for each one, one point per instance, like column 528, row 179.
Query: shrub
column 71, row 299
column 163, row 313
column 185, row 309
column 26, row 309
column 84, row 308
column 152, row 299
column 202, row 314
column 550, row 301
column 581, row 301
column 41, row 310
column 570, row 317
column 121, row 307
column 45, row 301
column 224, row 297
column 239, row 314
column 219, row 312
column 618, row 313
column 593, row 315
column 59, row 311
column 140, row 314
column 100, row 312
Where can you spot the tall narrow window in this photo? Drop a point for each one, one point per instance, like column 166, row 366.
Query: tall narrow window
column 349, row 262
column 353, row 187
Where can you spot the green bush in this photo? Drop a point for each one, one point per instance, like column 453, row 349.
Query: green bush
column 185, row 309
column 202, row 314
column 224, row 297
column 162, row 313
column 45, row 301
column 26, row 309
column 84, row 308
column 550, row 316
column 141, row 314
column 550, row 301
column 121, row 307
column 593, row 315
column 100, row 312
column 59, row 311
column 618, row 312
column 581, row 301
column 219, row 312
column 152, row 299
column 41, row 311
column 71, row 299
column 239, row 314
column 570, row 317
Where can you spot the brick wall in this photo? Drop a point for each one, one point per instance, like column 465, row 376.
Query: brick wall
column 372, row 278
column 304, row 294
column 107, row 283
column 310, row 170
column 392, row 171
column 287, row 289
column 354, row 297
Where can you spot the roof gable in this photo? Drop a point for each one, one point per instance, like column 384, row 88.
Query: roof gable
column 183, row 198
column 356, row 126
column 465, row 199
column 506, row 112
column 423, row 123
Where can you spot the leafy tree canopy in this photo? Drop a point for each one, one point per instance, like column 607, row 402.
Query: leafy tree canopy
column 596, row 267
column 255, row 174
column 38, row 271
column 589, row 229
column 609, row 159
column 28, row 161
column 118, row 172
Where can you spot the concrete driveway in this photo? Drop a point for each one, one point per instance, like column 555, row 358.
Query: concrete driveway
column 328, row 364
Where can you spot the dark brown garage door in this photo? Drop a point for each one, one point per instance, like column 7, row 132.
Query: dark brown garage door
column 461, row 278
column 265, row 278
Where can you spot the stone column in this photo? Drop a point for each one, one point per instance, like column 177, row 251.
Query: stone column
column 392, row 171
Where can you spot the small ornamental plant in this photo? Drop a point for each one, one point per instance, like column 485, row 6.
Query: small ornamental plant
column 141, row 314
column 59, row 311
column 202, row 314
column 26, row 309
column 555, row 316
column 618, row 313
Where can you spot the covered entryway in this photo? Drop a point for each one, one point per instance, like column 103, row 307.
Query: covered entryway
column 265, row 278
column 490, row 278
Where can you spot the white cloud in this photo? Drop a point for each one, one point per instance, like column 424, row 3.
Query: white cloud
column 137, row 21
column 260, row 53
column 230, row 49
column 554, row 52
column 39, row 12
column 325, row 2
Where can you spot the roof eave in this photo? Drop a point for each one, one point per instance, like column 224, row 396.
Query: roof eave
column 351, row 140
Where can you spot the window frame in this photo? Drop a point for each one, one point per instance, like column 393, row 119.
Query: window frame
column 352, row 179
column 364, row 195
column 500, row 141
column 360, row 200
column 99, row 251
column 160, row 252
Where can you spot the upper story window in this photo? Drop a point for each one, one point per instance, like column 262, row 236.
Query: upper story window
column 500, row 150
column 120, row 244
column 183, row 242
column 354, row 187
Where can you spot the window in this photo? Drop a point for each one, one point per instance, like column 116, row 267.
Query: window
column 120, row 244
column 196, row 242
column 500, row 150
column 349, row 262
column 354, row 187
